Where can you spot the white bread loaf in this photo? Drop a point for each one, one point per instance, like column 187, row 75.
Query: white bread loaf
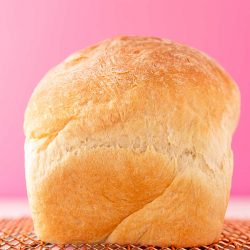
column 129, row 141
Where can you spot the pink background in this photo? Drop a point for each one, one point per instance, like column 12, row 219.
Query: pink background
column 35, row 35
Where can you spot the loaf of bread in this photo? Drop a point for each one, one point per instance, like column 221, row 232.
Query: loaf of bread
column 129, row 141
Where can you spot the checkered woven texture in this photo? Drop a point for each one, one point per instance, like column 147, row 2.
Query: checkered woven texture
column 18, row 234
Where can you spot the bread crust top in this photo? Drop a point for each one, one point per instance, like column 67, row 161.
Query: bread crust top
column 125, row 77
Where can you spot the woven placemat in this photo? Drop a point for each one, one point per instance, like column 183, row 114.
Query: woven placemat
column 18, row 234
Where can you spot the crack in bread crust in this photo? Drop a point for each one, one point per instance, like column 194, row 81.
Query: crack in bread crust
column 139, row 210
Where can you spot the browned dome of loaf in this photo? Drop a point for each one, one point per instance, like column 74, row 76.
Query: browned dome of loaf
column 100, row 77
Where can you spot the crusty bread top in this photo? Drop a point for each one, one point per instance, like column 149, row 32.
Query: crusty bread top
column 125, row 77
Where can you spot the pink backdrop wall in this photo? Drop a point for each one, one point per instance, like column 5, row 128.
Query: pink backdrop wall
column 35, row 35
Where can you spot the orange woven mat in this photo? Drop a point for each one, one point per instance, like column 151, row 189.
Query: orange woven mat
column 18, row 234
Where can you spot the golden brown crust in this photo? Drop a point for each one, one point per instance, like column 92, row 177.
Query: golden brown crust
column 128, row 141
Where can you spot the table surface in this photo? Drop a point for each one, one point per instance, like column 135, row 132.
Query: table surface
column 238, row 208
